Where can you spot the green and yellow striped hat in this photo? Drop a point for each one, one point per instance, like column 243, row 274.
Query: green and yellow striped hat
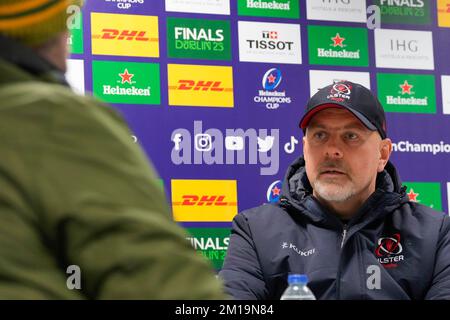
column 32, row 22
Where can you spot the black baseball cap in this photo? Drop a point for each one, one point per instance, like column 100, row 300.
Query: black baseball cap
column 351, row 96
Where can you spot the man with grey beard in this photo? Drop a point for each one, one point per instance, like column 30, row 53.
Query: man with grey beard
column 343, row 217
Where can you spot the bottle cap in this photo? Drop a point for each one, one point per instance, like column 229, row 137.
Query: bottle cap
column 298, row 278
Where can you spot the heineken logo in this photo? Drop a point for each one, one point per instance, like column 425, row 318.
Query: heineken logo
column 348, row 46
column 412, row 196
column 426, row 193
column 269, row 8
column 126, row 82
column 407, row 93
column 198, row 39
column 338, row 41
column 406, row 88
column 273, row 5
column 126, row 77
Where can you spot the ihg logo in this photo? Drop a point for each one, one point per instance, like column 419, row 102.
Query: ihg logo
column 237, row 147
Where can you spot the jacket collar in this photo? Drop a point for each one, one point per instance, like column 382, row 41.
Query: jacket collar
column 21, row 63
column 297, row 193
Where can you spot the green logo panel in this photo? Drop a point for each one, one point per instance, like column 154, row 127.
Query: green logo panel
column 426, row 193
column 126, row 82
column 198, row 39
column 211, row 243
column 407, row 93
column 75, row 40
column 269, row 8
column 339, row 46
column 405, row 11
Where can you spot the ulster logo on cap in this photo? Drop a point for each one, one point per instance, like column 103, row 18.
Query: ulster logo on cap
column 340, row 92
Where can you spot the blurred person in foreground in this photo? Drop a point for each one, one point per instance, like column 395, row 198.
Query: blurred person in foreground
column 74, row 188
column 343, row 218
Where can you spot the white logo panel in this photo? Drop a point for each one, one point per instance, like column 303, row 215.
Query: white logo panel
column 322, row 78
column 448, row 197
column 404, row 49
column 338, row 10
column 199, row 6
column 269, row 42
column 75, row 75
column 445, row 80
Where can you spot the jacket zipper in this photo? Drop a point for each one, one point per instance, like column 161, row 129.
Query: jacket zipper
column 344, row 234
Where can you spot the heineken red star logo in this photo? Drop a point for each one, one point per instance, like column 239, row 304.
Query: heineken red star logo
column 337, row 41
column 412, row 195
column 126, row 76
column 276, row 191
column 406, row 87
column 271, row 78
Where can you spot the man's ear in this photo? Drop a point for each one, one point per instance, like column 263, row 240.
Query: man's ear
column 385, row 153
column 304, row 142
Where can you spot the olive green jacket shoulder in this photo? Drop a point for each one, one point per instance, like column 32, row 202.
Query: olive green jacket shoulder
column 76, row 191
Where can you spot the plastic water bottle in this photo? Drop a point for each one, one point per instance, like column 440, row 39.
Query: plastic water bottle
column 297, row 288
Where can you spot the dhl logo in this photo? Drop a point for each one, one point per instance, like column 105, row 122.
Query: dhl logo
column 128, row 35
column 204, row 200
column 200, row 85
column 444, row 13
column 140, row 37
column 213, row 86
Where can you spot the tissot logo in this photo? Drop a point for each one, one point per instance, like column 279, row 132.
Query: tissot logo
column 404, row 49
column 198, row 39
column 322, row 78
column 199, row 6
column 204, row 200
column 338, row 46
column 269, row 42
column 404, row 11
column 407, row 93
column 336, row 10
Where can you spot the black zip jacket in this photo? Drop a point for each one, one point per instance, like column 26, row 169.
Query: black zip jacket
column 391, row 249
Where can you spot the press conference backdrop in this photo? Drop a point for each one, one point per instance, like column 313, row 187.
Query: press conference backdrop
column 213, row 91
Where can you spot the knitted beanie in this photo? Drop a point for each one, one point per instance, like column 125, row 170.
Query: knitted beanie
column 33, row 22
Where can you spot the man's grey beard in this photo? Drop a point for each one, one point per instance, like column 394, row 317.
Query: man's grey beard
column 337, row 194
